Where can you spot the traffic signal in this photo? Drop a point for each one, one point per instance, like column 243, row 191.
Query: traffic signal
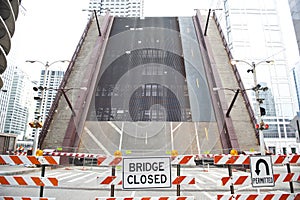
column 262, row 111
column 32, row 124
column 262, row 126
column 36, row 124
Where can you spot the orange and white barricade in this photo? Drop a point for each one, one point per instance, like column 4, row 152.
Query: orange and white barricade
column 114, row 161
column 109, row 180
column 245, row 159
column 231, row 160
column 147, row 198
column 26, row 181
column 109, row 161
column 246, row 180
column 284, row 159
column 77, row 155
column 187, row 180
column 258, row 196
column 183, row 160
column 25, row 198
column 30, row 160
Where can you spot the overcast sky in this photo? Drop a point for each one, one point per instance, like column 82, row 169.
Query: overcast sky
column 49, row 30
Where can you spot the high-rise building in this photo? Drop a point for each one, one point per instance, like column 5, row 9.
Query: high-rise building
column 296, row 73
column 7, row 77
column 50, row 80
column 121, row 8
column 20, row 102
column 256, row 34
column 295, row 13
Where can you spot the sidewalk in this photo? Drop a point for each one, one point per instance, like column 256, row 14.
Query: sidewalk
column 6, row 170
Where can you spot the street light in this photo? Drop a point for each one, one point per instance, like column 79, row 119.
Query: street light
column 232, row 101
column 256, row 88
column 46, row 65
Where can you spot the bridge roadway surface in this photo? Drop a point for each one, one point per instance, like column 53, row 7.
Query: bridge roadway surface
column 80, row 183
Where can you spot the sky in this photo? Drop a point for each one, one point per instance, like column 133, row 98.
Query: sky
column 49, row 30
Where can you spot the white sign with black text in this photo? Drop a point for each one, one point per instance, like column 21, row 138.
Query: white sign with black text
column 146, row 172
column 261, row 171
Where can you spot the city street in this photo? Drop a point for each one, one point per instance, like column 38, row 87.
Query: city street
column 79, row 183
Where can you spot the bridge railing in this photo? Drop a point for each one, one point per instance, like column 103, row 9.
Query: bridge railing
column 63, row 83
column 237, row 74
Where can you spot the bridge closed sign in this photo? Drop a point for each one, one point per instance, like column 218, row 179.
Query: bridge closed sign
column 261, row 171
column 147, row 172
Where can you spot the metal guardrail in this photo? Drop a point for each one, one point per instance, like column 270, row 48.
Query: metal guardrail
column 224, row 125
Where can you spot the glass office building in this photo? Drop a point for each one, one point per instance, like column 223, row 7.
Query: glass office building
column 121, row 8
column 20, row 101
column 259, row 31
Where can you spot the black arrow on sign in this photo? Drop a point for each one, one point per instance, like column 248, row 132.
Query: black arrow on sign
column 257, row 166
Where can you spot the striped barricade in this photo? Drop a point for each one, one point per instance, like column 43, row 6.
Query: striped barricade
column 30, row 160
column 115, row 161
column 26, row 181
column 259, row 196
column 183, row 160
column 284, row 159
column 77, row 155
column 117, row 180
column 109, row 161
column 109, row 180
column 231, row 160
column 187, row 180
column 26, row 198
column 246, row 180
column 245, row 159
column 147, row 198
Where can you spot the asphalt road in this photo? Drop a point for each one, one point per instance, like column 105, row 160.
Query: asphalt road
column 80, row 183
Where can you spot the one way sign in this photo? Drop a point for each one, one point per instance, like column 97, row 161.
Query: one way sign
column 261, row 171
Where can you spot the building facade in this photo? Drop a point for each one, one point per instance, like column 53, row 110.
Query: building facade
column 295, row 13
column 20, row 102
column 121, row 8
column 50, row 80
column 7, row 77
column 256, row 34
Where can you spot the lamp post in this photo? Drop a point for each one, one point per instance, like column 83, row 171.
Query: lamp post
column 236, row 92
column 37, row 123
column 256, row 88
